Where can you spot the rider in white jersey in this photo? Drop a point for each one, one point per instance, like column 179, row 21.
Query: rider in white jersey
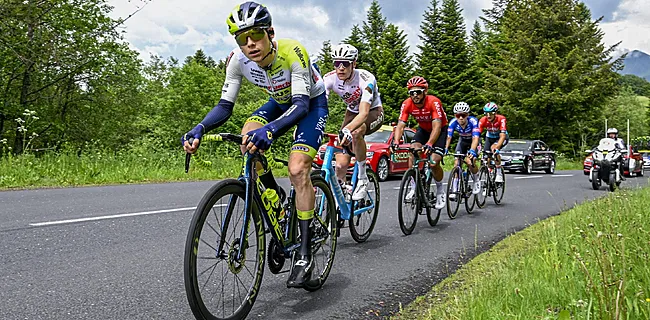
column 364, row 115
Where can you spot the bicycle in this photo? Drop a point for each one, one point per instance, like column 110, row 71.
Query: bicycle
column 459, row 180
column 361, row 214
column 423, row 197
column 487, row 178
column 236, row 205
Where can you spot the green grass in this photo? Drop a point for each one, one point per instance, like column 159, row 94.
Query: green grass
column 67, row 169
column 590, row 262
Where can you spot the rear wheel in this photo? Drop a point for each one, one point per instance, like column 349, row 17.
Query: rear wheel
column 323, row 237
column 484, row 178
column 431, row 210
column 469, row 196
column 361, row 225
column 407, row 210
column 453, row 188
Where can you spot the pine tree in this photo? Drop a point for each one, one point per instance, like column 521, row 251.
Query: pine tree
column 551, row 73
column 493, row 15
column 476, row 48
column 393, row 72
column 325, row 62
column 428, row 60
column 356, row 39
column 373, row 29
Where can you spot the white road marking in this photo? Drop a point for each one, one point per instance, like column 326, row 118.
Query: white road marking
column 561, row 175
column 115, row 216
column 528, row 177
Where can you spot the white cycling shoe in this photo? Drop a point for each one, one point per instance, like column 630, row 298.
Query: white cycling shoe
column 361, row 191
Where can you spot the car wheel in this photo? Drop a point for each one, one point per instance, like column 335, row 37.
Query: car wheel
column 529, row 166
column 551, row 168
column 382, row 168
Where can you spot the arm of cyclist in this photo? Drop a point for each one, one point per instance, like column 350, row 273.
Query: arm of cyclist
column 435, row 133
column 397, row 134
column 473, row 148
column 359, row 119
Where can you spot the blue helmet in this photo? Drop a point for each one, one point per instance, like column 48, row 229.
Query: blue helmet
column 491, row 107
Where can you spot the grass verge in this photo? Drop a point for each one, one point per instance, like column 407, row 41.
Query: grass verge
column 590, row 262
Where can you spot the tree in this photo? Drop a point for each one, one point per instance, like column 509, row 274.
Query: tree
column 373, row 30
column 551, row 72
column 356, row 39
column 325, row 62
column 428, row 63
column 202, row 59
column 627, row 106
column 638, row 85
column 477, row 58
column 393, row 72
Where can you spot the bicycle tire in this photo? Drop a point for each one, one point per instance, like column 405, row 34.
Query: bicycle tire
column 499, row 188
column 369, row 217
column 431, row 205
column 485, row 181
column 194, row 252
column 470, row 198
column 455, row 173
column 324, row 225
column 413, row 203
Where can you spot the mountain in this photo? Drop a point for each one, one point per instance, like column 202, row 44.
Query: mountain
column 637, row 63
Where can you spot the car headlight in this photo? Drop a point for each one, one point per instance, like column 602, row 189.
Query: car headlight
column 369, row 154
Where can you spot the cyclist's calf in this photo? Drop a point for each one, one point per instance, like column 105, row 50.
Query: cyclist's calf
column 299, row 171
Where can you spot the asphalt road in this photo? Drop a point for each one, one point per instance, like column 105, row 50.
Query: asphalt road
column 116, row 252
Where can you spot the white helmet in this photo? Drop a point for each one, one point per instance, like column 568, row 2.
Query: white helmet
column 344, row 51
column 461, row 107
column 612, row 130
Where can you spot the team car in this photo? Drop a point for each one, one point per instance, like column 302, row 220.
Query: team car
column 527, row 155
column 378, row 154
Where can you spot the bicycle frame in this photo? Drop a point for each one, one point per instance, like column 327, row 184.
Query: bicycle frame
column 345, row 207
column 416, row 166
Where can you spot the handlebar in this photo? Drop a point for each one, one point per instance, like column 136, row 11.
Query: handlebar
column 335, row 137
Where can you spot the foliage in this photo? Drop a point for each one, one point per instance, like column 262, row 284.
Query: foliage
column 639, row 85
column 373, row 31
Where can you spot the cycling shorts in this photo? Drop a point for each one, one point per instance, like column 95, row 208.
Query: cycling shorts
column 463, row 145
column 309, row 131
column 373, row 121
column 422, row 136
column 490, row 141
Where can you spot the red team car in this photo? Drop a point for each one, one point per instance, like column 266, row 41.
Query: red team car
column 378, row 154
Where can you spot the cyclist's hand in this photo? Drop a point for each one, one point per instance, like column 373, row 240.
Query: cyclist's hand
column 446, row 151
column 196, row 134
column 494, row 148
column 393, row 147
column 428, row 149
column 472, row 154
column 345, row 136
column 259, row 139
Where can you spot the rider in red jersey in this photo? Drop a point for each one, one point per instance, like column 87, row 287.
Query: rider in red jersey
column 432, row 125
column 497, row 134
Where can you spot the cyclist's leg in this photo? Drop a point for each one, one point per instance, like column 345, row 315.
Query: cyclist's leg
column 372, row 124
column 308, row 139
column 268, row 112
column 343, row 159
column 438, row 173
column 419, row 139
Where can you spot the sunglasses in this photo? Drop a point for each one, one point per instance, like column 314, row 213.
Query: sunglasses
column 416, row 92
column 345, row 63
column 490, row 113
column 256, row 34
column 461, row 115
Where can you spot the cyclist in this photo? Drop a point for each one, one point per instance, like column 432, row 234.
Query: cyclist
column 432, row 122
column 282, row 69
column 467, row 127
column 496, row 136
column 364, row 114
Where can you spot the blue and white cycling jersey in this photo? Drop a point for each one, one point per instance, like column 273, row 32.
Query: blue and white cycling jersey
column 470, row 130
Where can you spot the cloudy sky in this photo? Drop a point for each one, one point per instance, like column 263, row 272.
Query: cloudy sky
column 179, row 27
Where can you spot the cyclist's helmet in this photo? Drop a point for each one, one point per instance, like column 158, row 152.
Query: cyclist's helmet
column 491, row 107
column 247, row 15
column 417, row 81
column 461, row 107
column 344, row 51
column 612, row 130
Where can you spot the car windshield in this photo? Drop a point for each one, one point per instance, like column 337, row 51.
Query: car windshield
column 517, row 146
column 379, row 136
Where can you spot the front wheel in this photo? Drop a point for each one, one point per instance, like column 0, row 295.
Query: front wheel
column 595, row 180
column 361, row 225
column 454, row 194
column 323, row 233
column 409, row 204
column 484, row 181
column 499, row 187
column 216, row 264
column 468, row 195
column 431, row 210
column 551, row 168
column 528, row 167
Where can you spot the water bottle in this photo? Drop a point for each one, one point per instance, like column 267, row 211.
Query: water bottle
column 272, row 196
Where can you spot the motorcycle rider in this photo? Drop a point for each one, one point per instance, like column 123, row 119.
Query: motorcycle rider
column 612, row 133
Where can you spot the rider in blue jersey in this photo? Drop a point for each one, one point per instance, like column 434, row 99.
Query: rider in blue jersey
column 467, row 127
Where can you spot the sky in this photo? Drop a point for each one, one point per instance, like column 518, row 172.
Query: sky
column 179, row 27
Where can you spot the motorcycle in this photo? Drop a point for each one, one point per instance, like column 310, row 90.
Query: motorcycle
column 607, row 163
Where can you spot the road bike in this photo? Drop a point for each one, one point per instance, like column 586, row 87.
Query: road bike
column 225, row 250
column 416, row 193
column 487, row 177
column 360, row 214
column 458, row 188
